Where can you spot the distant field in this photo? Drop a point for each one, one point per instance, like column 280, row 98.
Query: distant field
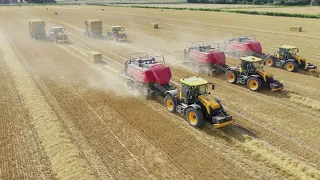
column 296, row 10
column 124, row 1
column 192, row 5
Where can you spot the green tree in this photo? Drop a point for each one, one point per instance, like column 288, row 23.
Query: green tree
column 315, row 2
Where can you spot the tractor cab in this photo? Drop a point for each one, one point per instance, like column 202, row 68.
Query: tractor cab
column 57, row 34
column 249, row 64
column 57, row 29
column 116, row 29
column 117, row 33
column 285, row 52
column 193, row 87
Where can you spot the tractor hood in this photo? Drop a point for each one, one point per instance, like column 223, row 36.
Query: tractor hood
column 208, row 103
column 264, row 74
column 298, row 58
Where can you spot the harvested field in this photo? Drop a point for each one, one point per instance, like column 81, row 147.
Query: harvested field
column 294, row 10
column 195, row 5
column 65, row 117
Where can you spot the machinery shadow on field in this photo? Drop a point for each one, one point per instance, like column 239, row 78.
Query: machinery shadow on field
column 230, row 132
column 125, row 41
column 282, row 94
column 307, row 73
column 65, row 43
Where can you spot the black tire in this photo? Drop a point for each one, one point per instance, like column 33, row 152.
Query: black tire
column 269, row 61
column 254, row 84
column 170, row 103
column 291, row 66
column 195, row 117
column 231, row 77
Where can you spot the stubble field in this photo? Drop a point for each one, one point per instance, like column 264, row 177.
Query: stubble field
column 65, row 117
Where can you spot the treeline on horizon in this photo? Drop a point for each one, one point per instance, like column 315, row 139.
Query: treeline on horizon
column 260, row 2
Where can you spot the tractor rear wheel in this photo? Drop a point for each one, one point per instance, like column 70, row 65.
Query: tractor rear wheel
column 254, row 84
column 291, row 66
column 231, row 77
column 269, row 61
column 195, row 117
column 170, row 103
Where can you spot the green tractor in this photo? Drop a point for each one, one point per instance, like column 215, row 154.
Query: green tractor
column 251, row 72
column 287, row 59
column 193, row 103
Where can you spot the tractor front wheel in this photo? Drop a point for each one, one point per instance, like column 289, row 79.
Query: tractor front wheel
column 231, row 77
column 291, row 66
column 170, row 103
column 269, row 61
column 254, row 84
column 195, row 117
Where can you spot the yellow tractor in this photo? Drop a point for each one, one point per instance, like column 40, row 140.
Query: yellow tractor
column 117, row 33
column 192, row 101
column 286, row 58
column 251, row 72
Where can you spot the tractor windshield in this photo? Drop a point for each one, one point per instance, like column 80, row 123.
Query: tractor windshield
column 293, row 51
column 202, row 89
column 58, row 30
column 120, row 29
column 258, row 65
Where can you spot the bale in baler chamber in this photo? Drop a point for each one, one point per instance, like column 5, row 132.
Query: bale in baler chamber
column 296, row 28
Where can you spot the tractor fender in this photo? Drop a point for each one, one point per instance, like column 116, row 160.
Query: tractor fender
column 173, row 93
column 291, row 60
column 272, row 56
column 195, row 106
column 255, row 75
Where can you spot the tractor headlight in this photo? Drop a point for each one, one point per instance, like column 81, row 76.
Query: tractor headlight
column 217, row 100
